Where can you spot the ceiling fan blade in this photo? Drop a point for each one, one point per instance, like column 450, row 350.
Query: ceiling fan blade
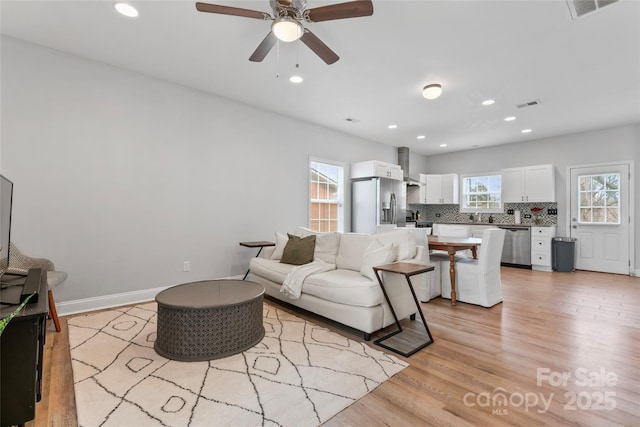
column 264, row 48
column 352, row 9
column 235, row 11
column 320, row 49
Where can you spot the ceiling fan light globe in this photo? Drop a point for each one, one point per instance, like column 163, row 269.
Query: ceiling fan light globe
column 432, row 91
column 287, row 29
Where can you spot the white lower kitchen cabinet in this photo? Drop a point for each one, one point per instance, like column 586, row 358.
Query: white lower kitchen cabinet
column 541, row 247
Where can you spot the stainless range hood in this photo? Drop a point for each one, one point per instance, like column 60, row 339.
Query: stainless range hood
column 403, row 161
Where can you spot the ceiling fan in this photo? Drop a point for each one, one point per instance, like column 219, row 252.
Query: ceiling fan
column 287, row 22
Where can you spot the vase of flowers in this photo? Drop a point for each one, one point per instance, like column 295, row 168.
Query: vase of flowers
column 536, row 215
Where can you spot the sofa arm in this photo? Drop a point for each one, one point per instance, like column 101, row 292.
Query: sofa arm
column 426, row 285
column 267, row 252
column 422, row 255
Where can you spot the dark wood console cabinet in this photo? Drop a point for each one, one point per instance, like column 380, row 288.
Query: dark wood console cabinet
column 21, row 349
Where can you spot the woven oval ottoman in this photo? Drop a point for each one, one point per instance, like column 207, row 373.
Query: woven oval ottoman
column 209, row 319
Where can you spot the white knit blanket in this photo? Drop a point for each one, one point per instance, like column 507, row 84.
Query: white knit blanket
column 292, row 285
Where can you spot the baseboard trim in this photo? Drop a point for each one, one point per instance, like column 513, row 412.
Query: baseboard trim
column 67, row 308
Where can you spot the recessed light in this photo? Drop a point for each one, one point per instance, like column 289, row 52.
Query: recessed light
column 509, row 119
column 126, row 9
column 392, row 126
column 296, row 79
column 420, row 137
column 443, row 145
column 526, row 131
column 432, row 91
column 489, row 102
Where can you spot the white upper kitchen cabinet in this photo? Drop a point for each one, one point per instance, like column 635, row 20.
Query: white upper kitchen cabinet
column 441, row 189
column 529, row 184
column 416, row 194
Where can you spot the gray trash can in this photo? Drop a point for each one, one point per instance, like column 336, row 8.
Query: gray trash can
column 563, row 252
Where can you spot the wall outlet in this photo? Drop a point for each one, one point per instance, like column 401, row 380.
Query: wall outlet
column 552, row 211
column 509, row 211
column 527, row 216
column 186, row 266
column 438, row 215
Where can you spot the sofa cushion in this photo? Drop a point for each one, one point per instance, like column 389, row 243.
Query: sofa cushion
column 351, row 250
column 281, row 242
column 326, row 244
column 298, row 250
column 376, row 254
column 345, row 287
column 270, row 269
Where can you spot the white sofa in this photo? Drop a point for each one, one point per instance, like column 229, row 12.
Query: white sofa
column 350, row 294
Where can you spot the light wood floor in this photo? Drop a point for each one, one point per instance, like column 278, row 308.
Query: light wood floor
column 582, row 324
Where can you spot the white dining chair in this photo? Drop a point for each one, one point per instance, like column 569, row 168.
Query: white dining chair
column 478, row 280
column 451, row 230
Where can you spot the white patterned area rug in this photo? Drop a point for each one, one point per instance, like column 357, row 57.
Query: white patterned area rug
column 300, row 374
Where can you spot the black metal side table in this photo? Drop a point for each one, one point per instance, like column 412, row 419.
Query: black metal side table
column 259, row 244
column 404, row 342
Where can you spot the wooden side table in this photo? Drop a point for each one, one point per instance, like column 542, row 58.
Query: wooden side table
column 409, row 342
column 258, row 244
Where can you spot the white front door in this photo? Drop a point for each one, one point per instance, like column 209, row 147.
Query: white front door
column 600, row 217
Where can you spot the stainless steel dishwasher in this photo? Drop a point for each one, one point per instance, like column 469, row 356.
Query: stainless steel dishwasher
column 516, row 251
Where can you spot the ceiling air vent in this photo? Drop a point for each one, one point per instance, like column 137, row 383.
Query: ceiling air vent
column 582, row 7
column 528, row 104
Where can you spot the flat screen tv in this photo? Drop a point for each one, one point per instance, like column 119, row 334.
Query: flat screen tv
column 6, row 199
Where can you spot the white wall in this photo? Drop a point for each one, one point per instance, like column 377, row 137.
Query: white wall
column 615, row 144
column 120, row 177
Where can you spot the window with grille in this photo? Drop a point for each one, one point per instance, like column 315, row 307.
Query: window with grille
column 599, row 199
column 326, row 189
column 481, row 193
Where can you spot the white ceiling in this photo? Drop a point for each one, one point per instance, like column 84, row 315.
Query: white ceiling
column 585, row 72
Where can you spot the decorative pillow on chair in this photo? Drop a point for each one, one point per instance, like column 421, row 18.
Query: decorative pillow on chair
column 298, row 250
column 376, row 254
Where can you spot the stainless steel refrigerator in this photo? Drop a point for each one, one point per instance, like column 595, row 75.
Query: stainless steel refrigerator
column 377, row 203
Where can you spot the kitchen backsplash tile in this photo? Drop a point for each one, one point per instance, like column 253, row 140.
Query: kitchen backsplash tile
column 452, row 214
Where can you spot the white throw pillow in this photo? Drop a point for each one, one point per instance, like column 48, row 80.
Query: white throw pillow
column 327, row 247
column 281, row 242
column 351, row 250
column 304, row 231
column 326, row 243
column 376, row 254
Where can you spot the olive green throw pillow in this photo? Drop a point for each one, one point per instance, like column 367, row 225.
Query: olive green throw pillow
column 298, row 250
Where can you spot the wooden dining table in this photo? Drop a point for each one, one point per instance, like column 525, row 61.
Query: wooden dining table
column 452, row 245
